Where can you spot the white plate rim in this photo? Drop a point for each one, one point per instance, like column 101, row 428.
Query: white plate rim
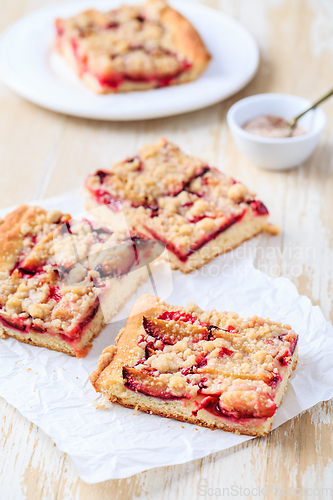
column 9, row 77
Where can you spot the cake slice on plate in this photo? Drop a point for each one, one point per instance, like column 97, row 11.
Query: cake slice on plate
column 137, row 47
column 61, row 280
column 208, row 368
column 195, row 210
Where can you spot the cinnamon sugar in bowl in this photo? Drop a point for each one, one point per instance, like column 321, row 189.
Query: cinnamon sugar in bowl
column 257, row 126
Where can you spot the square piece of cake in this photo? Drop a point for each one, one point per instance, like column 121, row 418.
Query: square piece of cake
column 208, row 368
column 134, row 47
column 195, row 210
column 62, row 280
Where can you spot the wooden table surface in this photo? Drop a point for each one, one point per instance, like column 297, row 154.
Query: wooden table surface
column 43, row 154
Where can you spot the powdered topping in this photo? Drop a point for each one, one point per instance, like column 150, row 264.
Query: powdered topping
column 231, row 366
column 273, row 127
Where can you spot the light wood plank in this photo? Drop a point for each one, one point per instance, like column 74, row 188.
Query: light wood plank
column 31, row 466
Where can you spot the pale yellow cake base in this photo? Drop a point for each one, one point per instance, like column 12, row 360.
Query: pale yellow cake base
column 232, row 237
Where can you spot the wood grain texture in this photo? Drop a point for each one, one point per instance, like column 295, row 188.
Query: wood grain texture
column 44, row 154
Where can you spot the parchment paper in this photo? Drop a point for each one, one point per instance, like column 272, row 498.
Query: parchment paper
column 53, row 390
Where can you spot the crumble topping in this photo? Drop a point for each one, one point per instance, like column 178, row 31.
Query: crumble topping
column 131, row 42
column 234, row 364
column 175, row 197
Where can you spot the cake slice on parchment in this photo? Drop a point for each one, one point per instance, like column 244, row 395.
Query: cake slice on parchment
column 62, row 280
column 208, row 368
column 195, row 210
column 133, row 47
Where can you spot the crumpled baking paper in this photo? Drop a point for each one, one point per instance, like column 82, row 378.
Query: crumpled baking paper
column 53, row 390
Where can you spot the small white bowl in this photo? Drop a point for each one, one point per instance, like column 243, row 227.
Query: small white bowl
column 276, row 154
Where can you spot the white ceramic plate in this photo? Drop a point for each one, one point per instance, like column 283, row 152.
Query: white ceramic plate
column 29, row 66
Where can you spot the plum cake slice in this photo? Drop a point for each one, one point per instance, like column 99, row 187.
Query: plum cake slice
column 137, row 47
column 204, row 367
column 61, row 280
column 195, row 210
